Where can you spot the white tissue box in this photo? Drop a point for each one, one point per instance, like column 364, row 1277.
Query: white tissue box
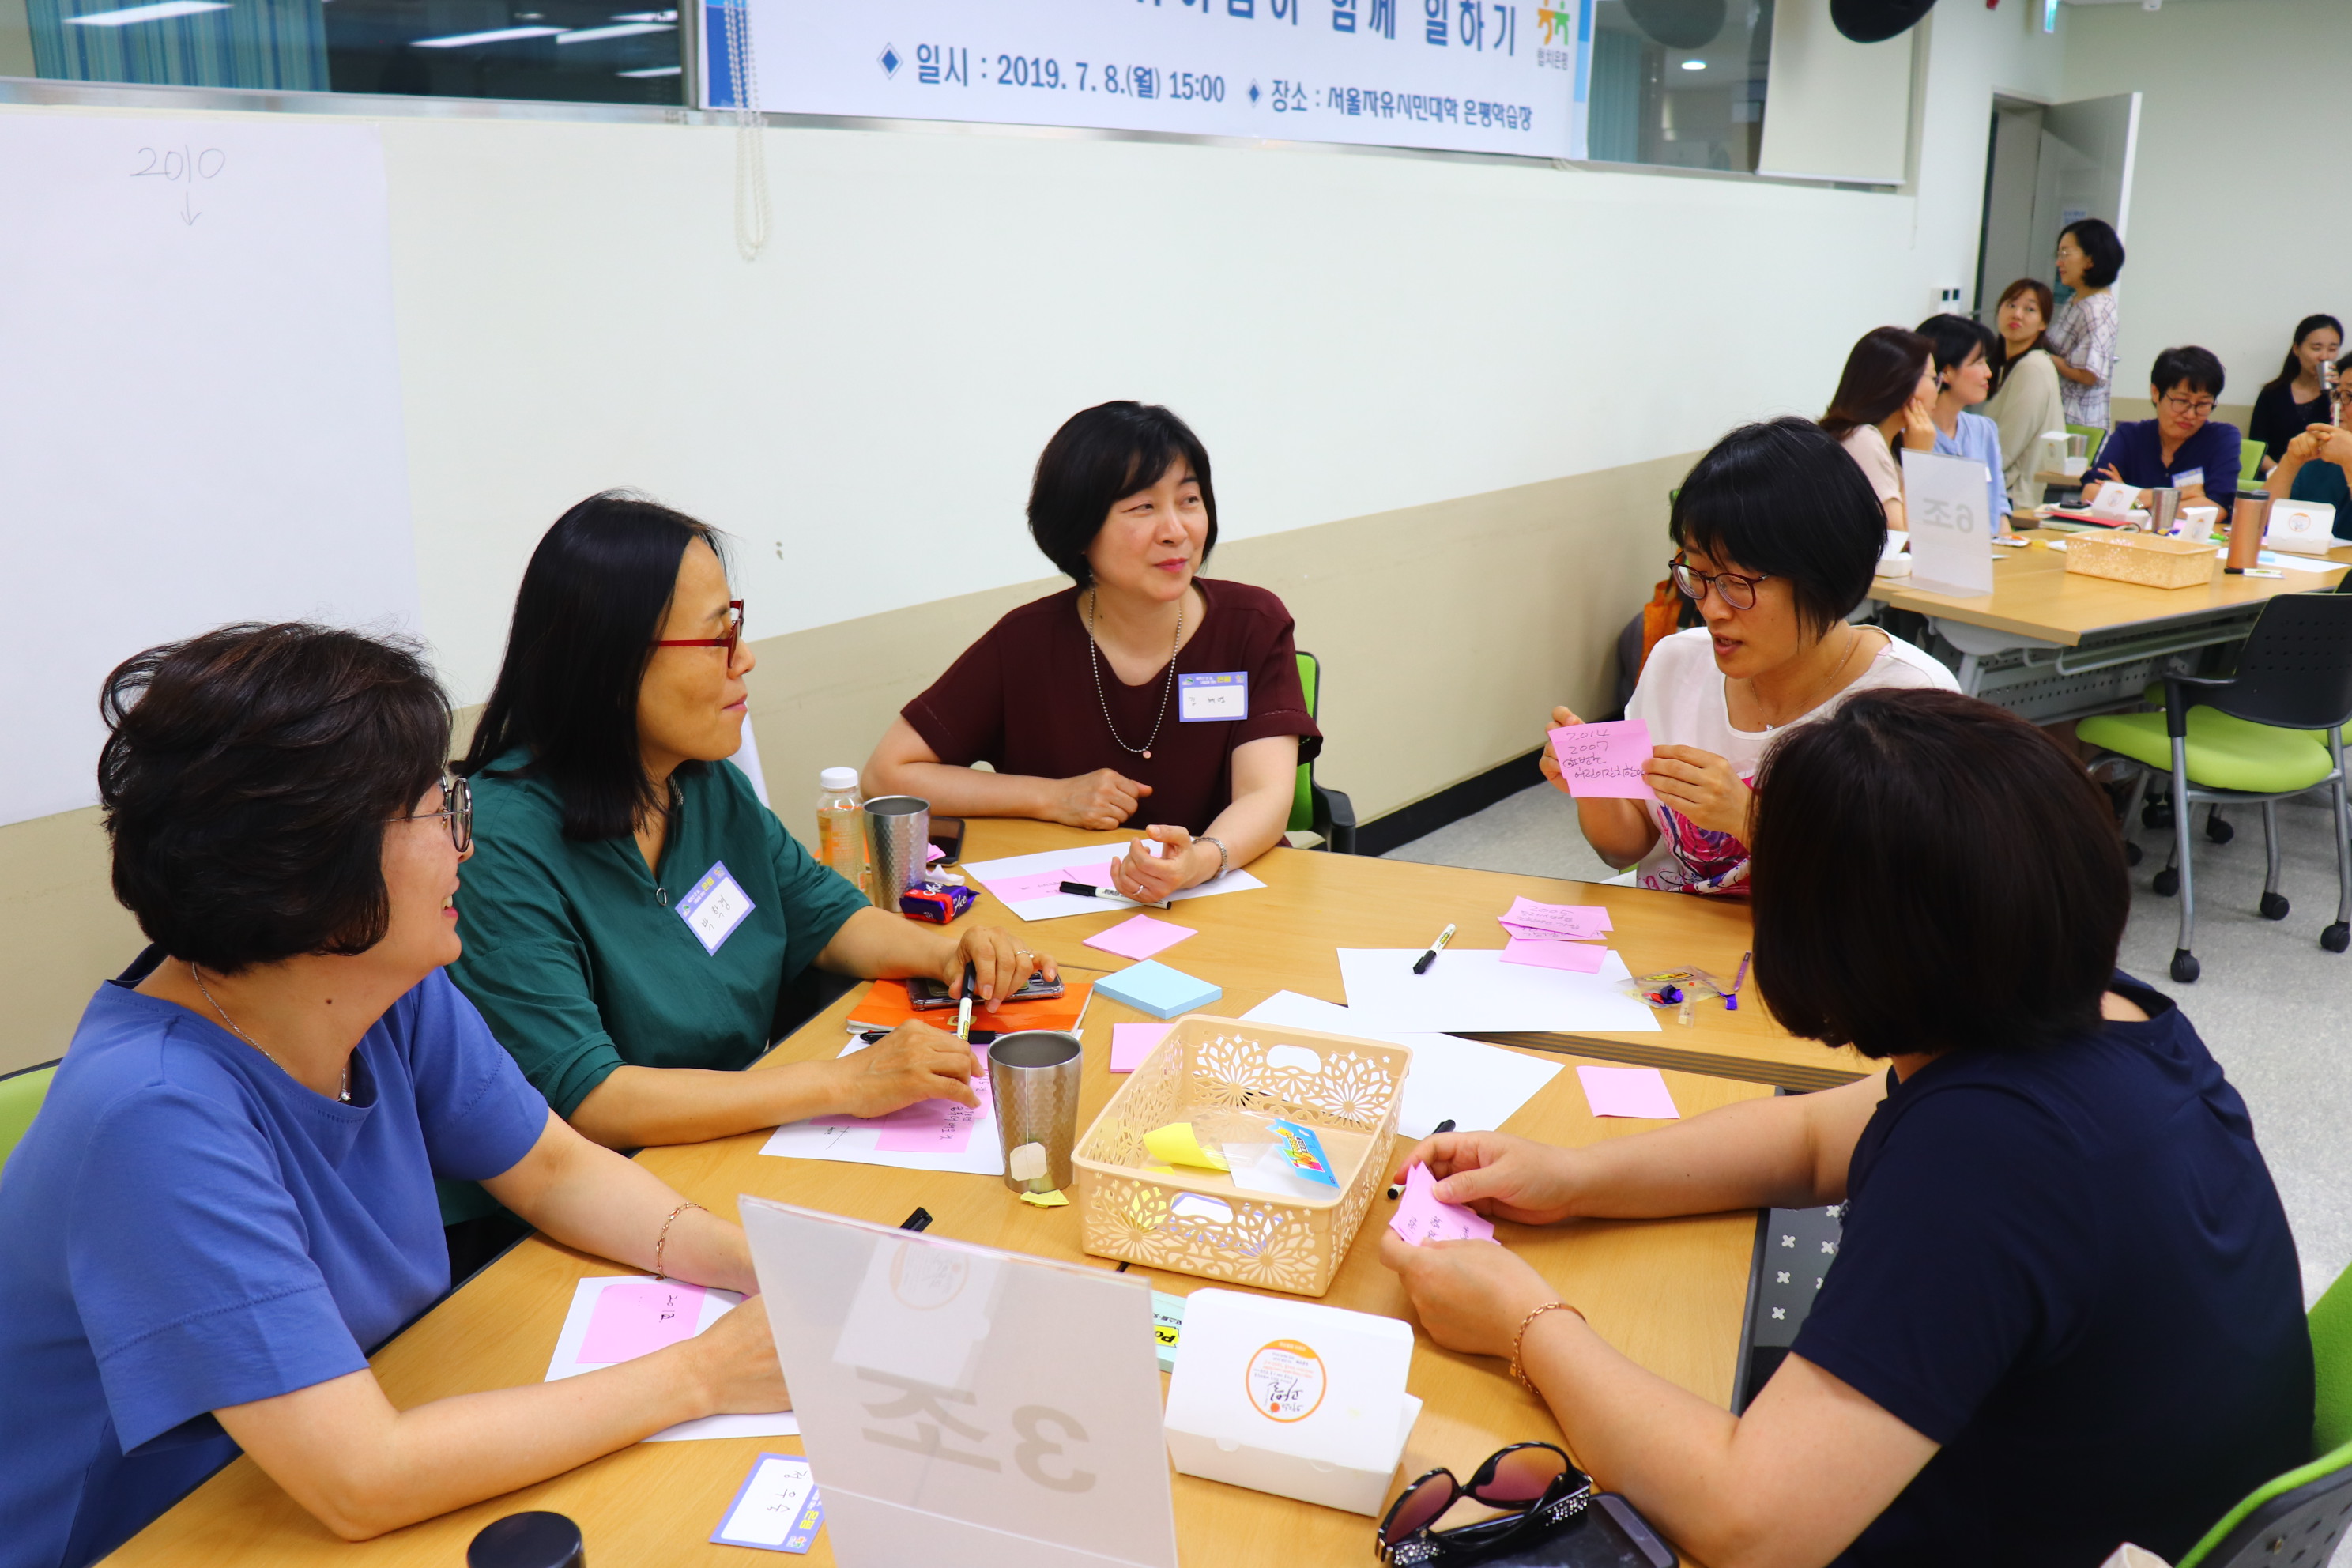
column 1291, row 1398
column 2304, row 527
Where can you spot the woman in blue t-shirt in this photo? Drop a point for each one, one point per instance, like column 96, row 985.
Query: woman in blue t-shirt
column 226, row 1201
column 2065, row 1311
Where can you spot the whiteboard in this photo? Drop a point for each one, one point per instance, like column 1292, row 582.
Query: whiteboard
column 1482, row 76
column 199, row 407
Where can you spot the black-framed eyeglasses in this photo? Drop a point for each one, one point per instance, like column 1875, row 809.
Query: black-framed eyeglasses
column 456, row 809
column 734, row 633
column 1526, row 1478
column 2201, row 407
column 1736, row 591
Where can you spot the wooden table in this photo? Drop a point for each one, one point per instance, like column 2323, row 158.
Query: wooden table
column 1669, row 1293
column 2052, row 644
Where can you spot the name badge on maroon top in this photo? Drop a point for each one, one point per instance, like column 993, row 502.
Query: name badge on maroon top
column 1201, row 699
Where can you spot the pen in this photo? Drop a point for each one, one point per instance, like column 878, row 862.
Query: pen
column 964, row 1009
column 1731, row 997
column 1421, row 966
column 1444, row 1126
column 874, row 1037
column 1088, row 891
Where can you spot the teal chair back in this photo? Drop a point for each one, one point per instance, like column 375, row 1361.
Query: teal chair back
column 21, row 1093
column 2297, row 1518
column 1302, row 801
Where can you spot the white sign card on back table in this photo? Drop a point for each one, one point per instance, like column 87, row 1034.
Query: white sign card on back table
column 1030, row 885
column 1472, row 76
column 1944, row 501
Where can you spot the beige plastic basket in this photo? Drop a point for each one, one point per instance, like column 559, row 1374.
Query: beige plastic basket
column 2142, row 558
column 1199, row 1222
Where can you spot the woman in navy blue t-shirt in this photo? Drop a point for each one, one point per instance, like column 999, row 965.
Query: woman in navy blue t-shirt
column 2065, row 1313
column 226, row 1201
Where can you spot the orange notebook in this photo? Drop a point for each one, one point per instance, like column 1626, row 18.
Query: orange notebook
column 886, row 1007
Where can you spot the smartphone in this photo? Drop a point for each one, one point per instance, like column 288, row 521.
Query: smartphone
column 947, row 837
column 1607, row 1534
column 929, row 996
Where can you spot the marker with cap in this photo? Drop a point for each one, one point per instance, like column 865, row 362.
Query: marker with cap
column 1731, row 997
column 1444, row 1126
column 964, row 1009
column 1421, row 966
column 1088, row 891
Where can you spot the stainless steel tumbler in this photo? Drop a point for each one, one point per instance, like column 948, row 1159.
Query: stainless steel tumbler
column 2163, row 506
column 1033, row 1077
column 898, row 843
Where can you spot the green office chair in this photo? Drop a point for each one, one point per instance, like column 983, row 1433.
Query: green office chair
column 2294, row 1520
column 2250, row 464
column 1314, row 808
column 2250, row 741
column 21, row 1093
column 2094, row 437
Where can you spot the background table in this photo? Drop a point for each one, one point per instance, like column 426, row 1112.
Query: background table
column 1669, row 1293
column 2051, row 645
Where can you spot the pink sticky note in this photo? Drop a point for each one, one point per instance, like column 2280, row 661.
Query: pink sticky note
column 1130, row 1043
column 1139, row 938
column 1577, row 957
column 1420, row 1217
column 1603, row 762
column 1576, row 921
column 638, row 1316
column 928, row 1126
column 1628, row 1091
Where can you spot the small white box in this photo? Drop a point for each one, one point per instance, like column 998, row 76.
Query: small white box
column 2305, row 526
column 1291, row 1398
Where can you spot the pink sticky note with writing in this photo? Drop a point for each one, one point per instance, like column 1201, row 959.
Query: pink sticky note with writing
column 928, row 1126
column 1575, row 921
column 1628, row 1091
column 1577, row 957
column 1139, row 938
column 1420, row 1217
column 1603, row 762
column 1047, row 884
column 639, row 1316
column 1130, row 1043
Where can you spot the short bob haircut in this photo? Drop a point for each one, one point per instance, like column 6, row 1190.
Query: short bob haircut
column 2303, row 329
column 593, row 601
column 1098, row 458
column 1904, row 904
column 1783, row 499
column 1952, row 338
column 2045, row 301
column 247, row 778
column 2199, row 369
column 2097, row 241
column 1880, row 373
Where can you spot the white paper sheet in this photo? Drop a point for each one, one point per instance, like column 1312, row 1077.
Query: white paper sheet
column 716, row 1304
column 1056, row 905
column 1474, row 989
column 855, row 1145
column 1477, row 1086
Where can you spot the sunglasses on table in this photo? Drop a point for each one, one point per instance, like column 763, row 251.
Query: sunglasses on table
column 734, row 633
column 1534, row 1481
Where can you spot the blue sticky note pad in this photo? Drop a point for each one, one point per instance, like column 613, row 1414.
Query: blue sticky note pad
column 1152, row 987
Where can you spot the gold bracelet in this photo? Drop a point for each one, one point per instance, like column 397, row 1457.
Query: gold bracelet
column 1520, row 1340
column 662, row 1241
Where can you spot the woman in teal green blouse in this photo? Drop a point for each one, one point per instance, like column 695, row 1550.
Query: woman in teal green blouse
column 634, row 913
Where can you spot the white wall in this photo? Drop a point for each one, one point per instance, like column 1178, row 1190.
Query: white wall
column 2241, row 214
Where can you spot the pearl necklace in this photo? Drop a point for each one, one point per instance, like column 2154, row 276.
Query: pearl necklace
column 1094, row 662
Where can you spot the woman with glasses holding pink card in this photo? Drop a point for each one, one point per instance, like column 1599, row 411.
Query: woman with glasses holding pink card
column 1777, row 534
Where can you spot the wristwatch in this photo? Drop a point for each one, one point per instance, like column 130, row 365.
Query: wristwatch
column 1224, row 858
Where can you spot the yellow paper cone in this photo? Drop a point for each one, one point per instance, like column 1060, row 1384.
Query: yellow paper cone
column 1176, row 1145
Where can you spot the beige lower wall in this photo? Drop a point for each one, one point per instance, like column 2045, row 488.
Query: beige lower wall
column 1447, row 633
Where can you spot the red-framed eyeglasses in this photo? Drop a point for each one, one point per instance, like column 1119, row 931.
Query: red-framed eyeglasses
column 734, row 633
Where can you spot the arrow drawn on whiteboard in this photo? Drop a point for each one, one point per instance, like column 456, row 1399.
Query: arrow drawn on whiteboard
column 188, row 212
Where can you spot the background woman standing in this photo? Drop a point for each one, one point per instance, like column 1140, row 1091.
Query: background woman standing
column 2082, row 338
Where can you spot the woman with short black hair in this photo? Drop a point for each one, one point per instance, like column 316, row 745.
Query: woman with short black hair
column 2082, row 341
column 2184, row 448
column 227, row 1199
column 2065, row 1310
column 1967, row 354
column 1777, row 536
column 614, row 833
column 1145, row 693
column 1887, row 393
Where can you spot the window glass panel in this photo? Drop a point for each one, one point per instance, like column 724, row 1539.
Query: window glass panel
column 1679, row 82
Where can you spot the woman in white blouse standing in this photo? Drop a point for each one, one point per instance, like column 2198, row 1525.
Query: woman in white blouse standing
column 2083, row 339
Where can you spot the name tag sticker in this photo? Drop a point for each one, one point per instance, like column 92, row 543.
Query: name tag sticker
column 2188, row 476
column 1201, row 699
column 714, row 908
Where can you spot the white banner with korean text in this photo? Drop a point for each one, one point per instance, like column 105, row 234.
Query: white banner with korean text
column 1472, row 76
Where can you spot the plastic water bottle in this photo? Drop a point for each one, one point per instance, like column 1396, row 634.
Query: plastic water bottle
column 841, row 824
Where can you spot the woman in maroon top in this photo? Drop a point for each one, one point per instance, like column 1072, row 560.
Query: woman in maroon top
column 1144, row 693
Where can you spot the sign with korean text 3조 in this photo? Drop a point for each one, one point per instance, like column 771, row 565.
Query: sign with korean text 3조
column 965, row 1405
column 1951, row 531
column 1475, row 76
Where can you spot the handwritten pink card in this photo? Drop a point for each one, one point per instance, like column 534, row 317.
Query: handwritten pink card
column 1420, row 1217
column 1576, row 957
column 1139, row 937
column 1603, row 762
column 639, row 1316
column 1628, row 1091
column 928, row 1126
column 1577, row 923
column 1130, row 1043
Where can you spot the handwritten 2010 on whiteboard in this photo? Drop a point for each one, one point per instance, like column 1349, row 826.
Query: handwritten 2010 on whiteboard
column 1603, row 762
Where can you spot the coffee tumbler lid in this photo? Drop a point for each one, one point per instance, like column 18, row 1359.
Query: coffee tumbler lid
column 535, row 1540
